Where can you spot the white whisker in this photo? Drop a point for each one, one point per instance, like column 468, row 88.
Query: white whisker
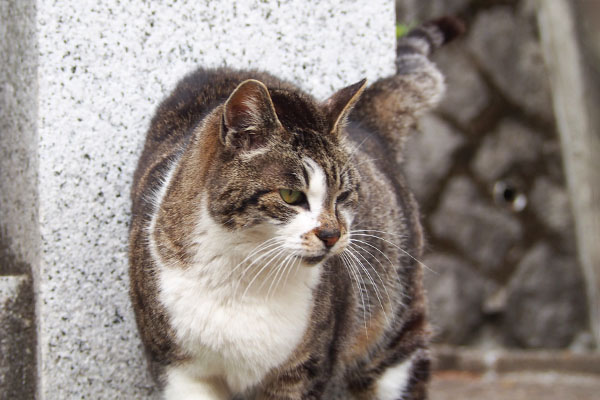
column 353, row 247
column 262, row 269
column 351, row 270
column 373, row 284
column 394, row 245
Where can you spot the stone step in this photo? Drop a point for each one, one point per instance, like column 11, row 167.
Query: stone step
column 480, row 361
column 468, row 373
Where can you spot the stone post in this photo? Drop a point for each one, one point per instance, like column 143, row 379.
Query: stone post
column 570, row 33
column 80, row 82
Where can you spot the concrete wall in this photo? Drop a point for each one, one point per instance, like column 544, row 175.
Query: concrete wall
column 80, row 82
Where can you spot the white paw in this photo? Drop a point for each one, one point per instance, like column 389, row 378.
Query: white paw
column 182, row 386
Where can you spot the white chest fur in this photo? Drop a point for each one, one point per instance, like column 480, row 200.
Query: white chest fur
column 238, row 339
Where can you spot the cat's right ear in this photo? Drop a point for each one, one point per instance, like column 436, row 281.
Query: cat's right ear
column 339, row 105
column 248, row 116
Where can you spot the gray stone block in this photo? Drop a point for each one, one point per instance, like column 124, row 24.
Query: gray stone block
column 546, row 304
column 504, row 43
column 429, row 155
column 550, row 203
column 17, row 338
column 80, row 83
column 456, row 293
column 484, row 233
column 467, row 95
column 510, row 145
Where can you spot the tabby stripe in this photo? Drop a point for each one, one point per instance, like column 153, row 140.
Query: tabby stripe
column 251, row 200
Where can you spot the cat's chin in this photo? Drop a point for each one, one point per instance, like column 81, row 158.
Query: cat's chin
column 313, row 261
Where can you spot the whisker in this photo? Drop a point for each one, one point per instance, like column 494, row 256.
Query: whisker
column 353, row 247
column 401, row 235
column 274, row 271
column 396, row 246
column 373, row 284
column 282, row 267
column 260, row 247
column 249, row 266
column 261, row 270
column 354, row 241
column 395, row 275
column 295, row 262
column 351, row 273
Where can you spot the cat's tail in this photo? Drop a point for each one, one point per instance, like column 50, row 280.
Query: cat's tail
column 391, row 105
column 426, row 38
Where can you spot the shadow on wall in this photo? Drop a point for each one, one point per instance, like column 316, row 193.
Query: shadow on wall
column 487, row 171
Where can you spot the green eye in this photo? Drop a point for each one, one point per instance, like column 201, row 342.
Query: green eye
column 291, row 196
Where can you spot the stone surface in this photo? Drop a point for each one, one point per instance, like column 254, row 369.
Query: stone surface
column 521, row 386
column 550, row 203
column 428, row 155
column 482, row 232
column 81, row 81
column 546, row 304
column 467, row 95
column 511, row 147
column 455, row 292
column 17, row 338
column 505, row 45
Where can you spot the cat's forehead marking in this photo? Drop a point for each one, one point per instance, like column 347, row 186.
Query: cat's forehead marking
column 317, row 185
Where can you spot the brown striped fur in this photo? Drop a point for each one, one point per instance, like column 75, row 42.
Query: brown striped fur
column 347, row 346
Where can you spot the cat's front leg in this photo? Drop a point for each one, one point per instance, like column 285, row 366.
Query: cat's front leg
column 181, row 385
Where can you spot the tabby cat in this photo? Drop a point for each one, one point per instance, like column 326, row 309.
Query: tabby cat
column 273, row 241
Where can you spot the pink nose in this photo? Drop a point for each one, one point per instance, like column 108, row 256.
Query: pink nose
column 328, row 236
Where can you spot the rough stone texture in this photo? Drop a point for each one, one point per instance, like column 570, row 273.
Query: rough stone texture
column 428, row 155
column 505, row 45
column 511, row 145
column 481, row 231
column 467, row 95
column 71, row 138
column 546, row 304
column 17, row 338
column 456, row 294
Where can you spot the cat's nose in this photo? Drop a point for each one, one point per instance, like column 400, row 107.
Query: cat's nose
column 328, row 236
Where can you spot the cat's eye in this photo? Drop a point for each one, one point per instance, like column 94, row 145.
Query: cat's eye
column 293, row 197
column 343, row 196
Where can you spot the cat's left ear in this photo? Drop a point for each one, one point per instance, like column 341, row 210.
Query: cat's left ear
column 339, row 105
column 248, row 116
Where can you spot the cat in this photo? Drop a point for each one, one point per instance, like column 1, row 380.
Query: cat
column 274, row 243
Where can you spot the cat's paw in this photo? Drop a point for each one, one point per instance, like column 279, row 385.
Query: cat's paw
column 182, row 386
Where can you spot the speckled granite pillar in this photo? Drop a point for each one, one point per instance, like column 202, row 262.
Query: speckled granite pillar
column 101, row 69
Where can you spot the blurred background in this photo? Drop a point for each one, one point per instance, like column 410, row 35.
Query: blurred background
column 510, row 211
column 488, row 172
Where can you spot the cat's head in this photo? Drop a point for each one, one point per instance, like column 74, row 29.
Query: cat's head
column 284, row 173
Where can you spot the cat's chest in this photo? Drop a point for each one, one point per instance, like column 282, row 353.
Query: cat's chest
column 240, row 337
